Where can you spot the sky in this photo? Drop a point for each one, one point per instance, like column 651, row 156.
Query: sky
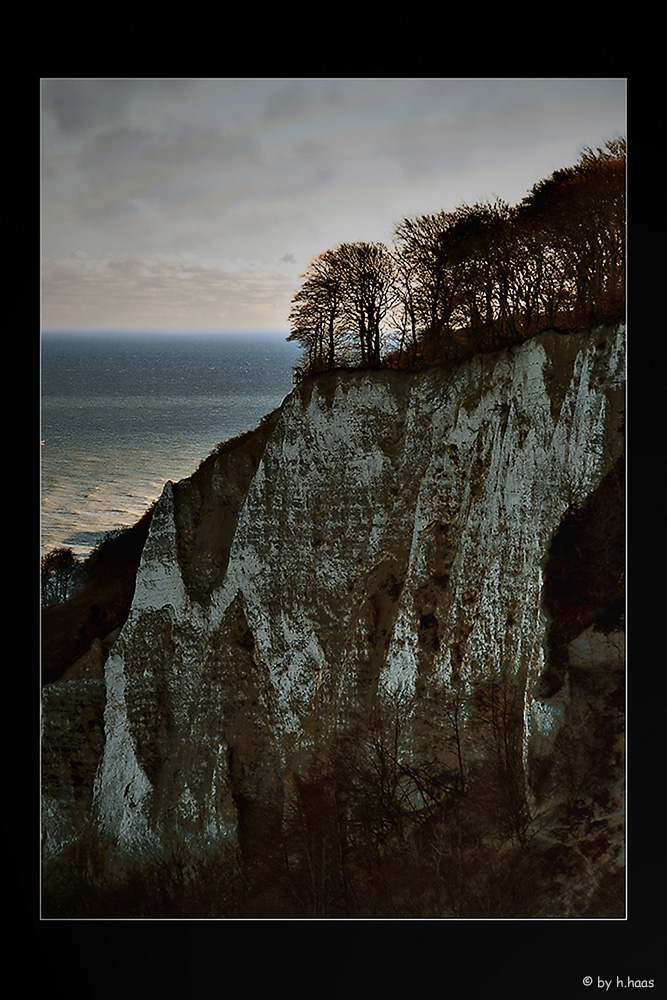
column 196, row 204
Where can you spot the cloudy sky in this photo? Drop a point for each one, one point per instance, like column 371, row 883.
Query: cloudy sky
column 197, row 203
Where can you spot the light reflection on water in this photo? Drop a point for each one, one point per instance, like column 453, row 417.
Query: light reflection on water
column 115, row 428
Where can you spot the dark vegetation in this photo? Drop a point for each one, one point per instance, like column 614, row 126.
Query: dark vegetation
column 383, row 825
column 87, row 599
column 479, row 278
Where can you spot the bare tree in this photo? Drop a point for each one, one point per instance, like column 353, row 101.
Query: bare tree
column 580, row 213
column 340, row 313
column 370, row 294
column 317, row 312
column 500, row 778
column 431, row 273
column 475, row 278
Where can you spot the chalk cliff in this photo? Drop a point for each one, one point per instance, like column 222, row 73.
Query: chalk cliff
column 440, row 548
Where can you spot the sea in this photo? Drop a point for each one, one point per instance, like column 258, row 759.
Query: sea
column 124, row 412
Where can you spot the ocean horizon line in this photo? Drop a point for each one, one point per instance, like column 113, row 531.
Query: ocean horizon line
column 182, row 331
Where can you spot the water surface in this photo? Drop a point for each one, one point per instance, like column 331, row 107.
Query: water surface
column 122, row 413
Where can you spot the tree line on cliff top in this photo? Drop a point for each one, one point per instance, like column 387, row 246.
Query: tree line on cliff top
column 478, row 278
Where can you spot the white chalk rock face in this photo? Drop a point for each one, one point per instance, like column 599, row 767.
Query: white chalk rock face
column 391, row 535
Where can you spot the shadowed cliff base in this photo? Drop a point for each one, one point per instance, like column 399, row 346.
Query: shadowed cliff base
column 584, row 579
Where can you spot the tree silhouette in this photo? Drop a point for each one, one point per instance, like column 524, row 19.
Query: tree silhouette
column 579, row 212
column 316, row 317
column 339, row 313
column 432, row 272
column 369, row 294
column 477, row 278
column 61, row 571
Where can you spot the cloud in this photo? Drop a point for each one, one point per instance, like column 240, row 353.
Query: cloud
column 140, row 173
column 301, row 99
column 146, row 189
column 80, row 106
column 288, row 100
column 138, row 292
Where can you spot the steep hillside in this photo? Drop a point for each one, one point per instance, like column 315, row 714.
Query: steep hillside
column 373, row 664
